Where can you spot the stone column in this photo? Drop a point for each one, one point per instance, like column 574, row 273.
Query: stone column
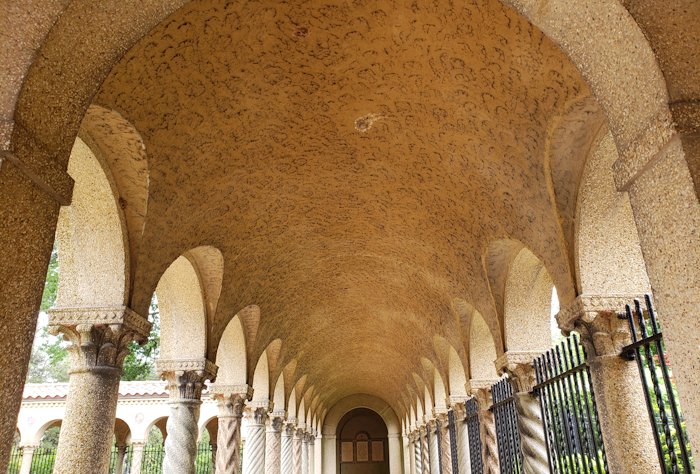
column 254, row 453
column 297, row 450
column 136, row 456
column 119, row 462
column 27, row 455
column 99, row 340
column 655, row 171
column 411, row 453
column 318, row 453
column 230, row 400
column 518, row 366
column 433, row 446
column 287, row 462
column 186, row 379
column 273, row 444
column 32, row 192
column 443, row 427
column 462, row 430
column 305, row 453
column 481, row 389
column 311, row 442
column 424, row 450
column 619, row 395
column 417, row 458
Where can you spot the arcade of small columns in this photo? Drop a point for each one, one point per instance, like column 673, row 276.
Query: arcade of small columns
column 277, row 443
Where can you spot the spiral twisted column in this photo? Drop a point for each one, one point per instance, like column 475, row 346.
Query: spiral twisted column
column 186, row 380
column 443, row 426
column 230, row 400
column 424, row 450
column 254, row 452
column 487, row 427
column 305, row 454
column 433, row 446
column 518, row 366
column 312, row 449
column 297, row 450
column 136, row 456
column 412, row 452
column 287, row 455
column 273, row 444
column 463, row 461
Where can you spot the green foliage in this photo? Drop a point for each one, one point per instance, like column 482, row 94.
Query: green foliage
column 139, row 363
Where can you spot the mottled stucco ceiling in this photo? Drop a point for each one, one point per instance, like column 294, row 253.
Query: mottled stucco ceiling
column 352, row 161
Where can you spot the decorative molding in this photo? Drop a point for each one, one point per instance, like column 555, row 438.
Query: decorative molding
column 479, row 384
column 519, row 367
column 246, row 391
column 595, row 319
column 99, row 337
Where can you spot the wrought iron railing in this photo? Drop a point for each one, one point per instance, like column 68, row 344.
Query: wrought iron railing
column 570, row 418
column 204, row 461
column 43, row 460
column 452, row 426
column 114, row 459
column 507, row 434
column 474, row 436
column 15, row 461
column 152, row 461
column 647, row 348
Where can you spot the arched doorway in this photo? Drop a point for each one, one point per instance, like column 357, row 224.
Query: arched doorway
column 362, row 443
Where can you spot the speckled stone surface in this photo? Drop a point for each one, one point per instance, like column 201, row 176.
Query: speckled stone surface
column 337, row 174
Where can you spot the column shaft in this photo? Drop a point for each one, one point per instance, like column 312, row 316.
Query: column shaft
column 119, row 462
column 28, row 217
column 27, row 455
column 297, row 449
column 445, row 449
column 273, row 446
column 136, row 457
column 254, row 453
column 287, row 462
column 305, row 454
column 487, row 428
column 424, row 451
column 462, row 431
column 434, row 447
column 230, row 402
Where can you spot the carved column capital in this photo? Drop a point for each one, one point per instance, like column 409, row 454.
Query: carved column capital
column 459, row 407
column 595, row 318
column 99, row 337
column 518, row 366
column 276, row 421
column 186, row 377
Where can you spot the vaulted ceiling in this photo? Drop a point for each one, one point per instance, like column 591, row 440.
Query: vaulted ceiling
column 352, row 161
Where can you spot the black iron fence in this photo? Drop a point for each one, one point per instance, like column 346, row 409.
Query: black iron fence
column 452, row 426
column 507, row 434
column 204, row 462
column 152, row 461
column 474, row 436
column 126, row 460
column 647, row 348
column 15, row 460
column 43, row 460
column 570, row 418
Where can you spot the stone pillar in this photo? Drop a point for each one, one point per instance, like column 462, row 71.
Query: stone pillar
column 287, row 462
column 411, row 453
column 305, row 454
column 481, row 389
column 318, row 454
column 619, row 395
column 119, row 462
column 27, row 455
column 424, row 450
column 443, row 427
column 433, row 446
column 230, row 400
column 518, row 366
column 254, row 453
column 32, row 192
column 297, row 450
column 186, row 379
column 311, row 443
column 99, row 340
column 273, row 444
column 655, row 171
column 461, row 428
column 417, row 457
column 136, row 456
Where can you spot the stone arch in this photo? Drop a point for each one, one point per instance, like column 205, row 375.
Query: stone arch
column 457, row 375
column 482, row 350
column 39, row 433
column 609, row 258
column 231, row 356
column 278, row 398
column 208, row 261
column 527, row 304
column 92, row 244
column 182, row 311
column 211, row 426
column 160, row 424
column 379, row 406
column 440, row 391
column 261, row 379
column 119, row 147
column 292, row 406
column 122, row 432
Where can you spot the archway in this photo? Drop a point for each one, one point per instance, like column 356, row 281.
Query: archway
column 362, row 443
